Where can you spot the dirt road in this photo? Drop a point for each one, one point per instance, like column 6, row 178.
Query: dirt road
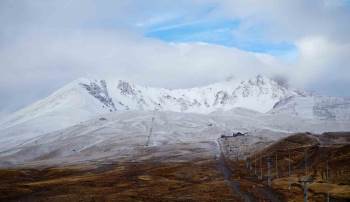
column 234, row 185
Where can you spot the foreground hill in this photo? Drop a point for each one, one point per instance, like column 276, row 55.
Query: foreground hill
column 325, row 158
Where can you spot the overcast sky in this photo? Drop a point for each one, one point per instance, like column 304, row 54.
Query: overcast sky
column 46, row 43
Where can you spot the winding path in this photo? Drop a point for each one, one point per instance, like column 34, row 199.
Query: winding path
column 233, row 184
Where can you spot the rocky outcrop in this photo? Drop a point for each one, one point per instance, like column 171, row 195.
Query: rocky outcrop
column 100, row 92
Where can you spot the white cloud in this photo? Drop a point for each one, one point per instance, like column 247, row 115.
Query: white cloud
column 322, row 60
column 45, row 44
column 319, row 29
column 55, row 59
column 292, row 19
column 129, row 56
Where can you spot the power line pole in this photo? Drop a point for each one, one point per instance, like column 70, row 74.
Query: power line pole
column 305, row 161
column 328, row 196
column 250, row 166
column 150, row 133
column 327, row 177
column 247, row 163
column 289, row 170
column 305, row 191
column 305, row 182
column 261, row 169
column 289, row 160
column 269, row 171
column 327, row 171
column 151, row 128
column 255, row 165
column 276, row 165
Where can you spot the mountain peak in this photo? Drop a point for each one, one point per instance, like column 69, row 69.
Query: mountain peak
column 87, row 97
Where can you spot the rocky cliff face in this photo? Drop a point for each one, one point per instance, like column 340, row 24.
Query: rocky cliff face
column 100, row 92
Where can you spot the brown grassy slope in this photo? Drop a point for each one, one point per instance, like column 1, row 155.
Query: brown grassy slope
column 197, row 181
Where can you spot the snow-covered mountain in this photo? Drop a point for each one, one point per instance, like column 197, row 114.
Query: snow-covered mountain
column 90, row 119
column 85, row 98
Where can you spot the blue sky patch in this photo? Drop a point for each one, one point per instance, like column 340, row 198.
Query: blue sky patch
column 220, row 32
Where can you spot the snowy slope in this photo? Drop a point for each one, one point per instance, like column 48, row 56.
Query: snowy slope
column 70, row 103
column 123, row 136
column 67, row 106
column 314, row 107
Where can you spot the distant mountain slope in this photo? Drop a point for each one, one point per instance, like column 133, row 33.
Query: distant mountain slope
column 314, row 107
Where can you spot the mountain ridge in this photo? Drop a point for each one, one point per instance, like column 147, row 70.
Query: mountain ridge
column 218, row 96
column 259, row 94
